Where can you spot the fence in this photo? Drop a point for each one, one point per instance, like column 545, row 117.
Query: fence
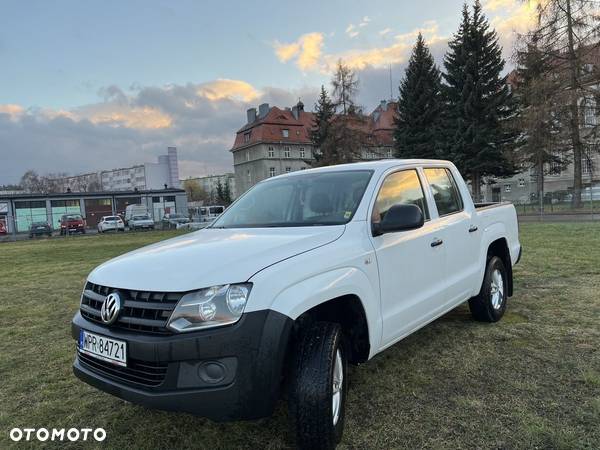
column 562, row 204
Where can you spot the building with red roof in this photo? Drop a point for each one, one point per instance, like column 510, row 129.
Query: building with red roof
column 275, row 141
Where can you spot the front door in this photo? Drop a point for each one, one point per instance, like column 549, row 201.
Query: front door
column 411, row 264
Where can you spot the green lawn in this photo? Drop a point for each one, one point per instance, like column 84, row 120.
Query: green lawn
column 529, row 381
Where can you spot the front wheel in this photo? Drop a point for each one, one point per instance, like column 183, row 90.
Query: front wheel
column 318, row 387
column 489, row 305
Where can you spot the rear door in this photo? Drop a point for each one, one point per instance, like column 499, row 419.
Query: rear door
column 459, row 232
column 411, row 265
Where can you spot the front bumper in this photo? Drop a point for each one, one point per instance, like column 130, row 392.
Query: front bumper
column 248, row 357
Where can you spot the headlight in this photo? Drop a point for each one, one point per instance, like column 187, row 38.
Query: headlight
column 210, row 307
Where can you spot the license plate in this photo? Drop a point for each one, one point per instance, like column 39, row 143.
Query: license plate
column 104, row 348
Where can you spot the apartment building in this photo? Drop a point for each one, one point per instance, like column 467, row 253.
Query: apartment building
column 275, row 141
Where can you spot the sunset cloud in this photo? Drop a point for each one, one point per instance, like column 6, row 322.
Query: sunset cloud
column 224, row 88
column 306, row 51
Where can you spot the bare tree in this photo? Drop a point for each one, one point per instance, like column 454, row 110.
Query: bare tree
column 567, row 31
column 540, row 141
column 345, row 88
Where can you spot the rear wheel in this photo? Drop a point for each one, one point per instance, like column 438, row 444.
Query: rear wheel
column 319, row 386
column 489, row 305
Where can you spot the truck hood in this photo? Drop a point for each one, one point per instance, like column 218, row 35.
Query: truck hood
column 209, row 257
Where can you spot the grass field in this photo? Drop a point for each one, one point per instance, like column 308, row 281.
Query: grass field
column 529, row 381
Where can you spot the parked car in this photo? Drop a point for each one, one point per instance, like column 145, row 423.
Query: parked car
column 141, row 222
column 3, row 229
column 193, row 225
column 72, row 223
column 134, row 210
column 171, row 220
column 40, row 229
column 210, row 213
column 303, row 274
column 111, row 223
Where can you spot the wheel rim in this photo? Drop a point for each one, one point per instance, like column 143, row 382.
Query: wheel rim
column 497, row 289
column 338, row 382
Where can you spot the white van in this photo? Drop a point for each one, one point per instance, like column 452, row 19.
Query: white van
column 135, row 210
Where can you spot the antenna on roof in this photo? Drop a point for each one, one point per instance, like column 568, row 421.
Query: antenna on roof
column 391, row 92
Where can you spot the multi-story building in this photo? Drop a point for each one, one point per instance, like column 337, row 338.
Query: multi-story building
column 558, row 184
column 276, row 141
column 162, row 174
column 159, row 175
column 209, row 183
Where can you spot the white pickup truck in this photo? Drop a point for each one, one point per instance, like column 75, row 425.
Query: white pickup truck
column 304, row 273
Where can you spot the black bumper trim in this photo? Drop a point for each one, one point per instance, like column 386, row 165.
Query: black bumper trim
column 251, row 352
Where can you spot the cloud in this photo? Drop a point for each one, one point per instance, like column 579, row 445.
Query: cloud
column 225, row 88
column 127, row 128
column 306, row 51
column 385, row 31
column 353, row 30
column 12, row 111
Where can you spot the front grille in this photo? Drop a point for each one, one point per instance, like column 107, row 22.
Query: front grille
column 143, row 373
column 140, row 310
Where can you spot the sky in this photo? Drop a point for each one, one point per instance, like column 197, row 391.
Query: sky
column 88, row 86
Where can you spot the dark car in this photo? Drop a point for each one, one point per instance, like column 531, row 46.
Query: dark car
column 171, row 221
column 72, row 223
column 40, row 229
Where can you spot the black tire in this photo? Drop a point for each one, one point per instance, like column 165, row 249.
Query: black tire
column 311, row 388
column 481, row 306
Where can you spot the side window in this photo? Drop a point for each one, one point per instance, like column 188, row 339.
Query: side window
column 445, row 193
column 401, row 187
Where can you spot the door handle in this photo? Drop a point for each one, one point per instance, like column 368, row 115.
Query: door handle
column 437, row 242
column 473, row 229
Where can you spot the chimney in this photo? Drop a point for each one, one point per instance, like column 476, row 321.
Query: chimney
column 297, row 109
column 251, row 115
column 263, row 110
column 383, row 105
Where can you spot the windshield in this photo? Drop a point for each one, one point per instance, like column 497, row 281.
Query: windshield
column 74, row 217
column 175, row 216
column 112, row 218
column 216, row 209
column 311, row 199
column 141, row 218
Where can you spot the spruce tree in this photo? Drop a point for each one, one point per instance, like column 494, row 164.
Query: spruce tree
column 479, row 102
column 319, row 133
column 419, row 107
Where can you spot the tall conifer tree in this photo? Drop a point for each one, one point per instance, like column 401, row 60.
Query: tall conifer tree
column 419, row 108
column 479, row 102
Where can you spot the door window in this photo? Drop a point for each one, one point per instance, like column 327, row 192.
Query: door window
column 446, row 196
column 401, row 187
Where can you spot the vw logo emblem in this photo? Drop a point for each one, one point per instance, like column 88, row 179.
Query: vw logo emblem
column 110, row 308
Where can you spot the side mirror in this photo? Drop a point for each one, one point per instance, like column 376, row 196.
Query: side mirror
column 400, row 218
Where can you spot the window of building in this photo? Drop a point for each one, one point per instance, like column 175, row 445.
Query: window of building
column 288, row 169
column 589, row 112
column 271, row 171
column 286, row 152
column 271, row 152
column 169, row 198
column 521, row 182
column 446, row 196
column 303, row 168
column 401, row 187
column 246, row 137
column 302, row 152
column 247, row 155
column 389, row 153
column 507, row 187
column 155, row 199
column 249, row 175
column 285, row 132
column 586, row 163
